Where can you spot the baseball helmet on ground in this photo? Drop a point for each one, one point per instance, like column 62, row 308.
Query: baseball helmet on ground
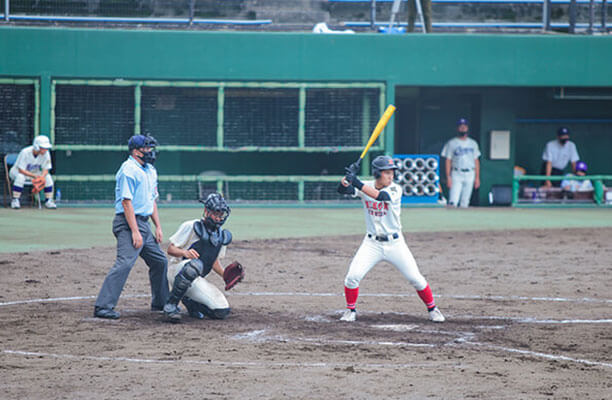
column 382, row 163
column 215, row 204
column 581, row 166
column 41, row 142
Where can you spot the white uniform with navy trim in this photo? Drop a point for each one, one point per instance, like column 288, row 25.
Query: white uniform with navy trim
column 463, row 154
column 383, row 222
column 200, row 290
column 27, row 161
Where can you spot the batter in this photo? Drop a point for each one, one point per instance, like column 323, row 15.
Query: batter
column 384, row 240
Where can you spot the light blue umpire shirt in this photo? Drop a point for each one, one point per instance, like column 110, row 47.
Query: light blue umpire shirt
column 137, row 183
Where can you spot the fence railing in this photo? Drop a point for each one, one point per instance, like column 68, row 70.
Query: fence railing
column 599, row 191
column 546, row 23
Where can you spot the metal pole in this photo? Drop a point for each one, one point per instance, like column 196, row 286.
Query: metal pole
column 191, row 11
column 420, row 14
column 7, row 13
column 591, row 16
column 572, row 17
column 604, row 12
column 373, row 15
column 546, row 15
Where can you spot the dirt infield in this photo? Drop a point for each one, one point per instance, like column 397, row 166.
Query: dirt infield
column 529, row 317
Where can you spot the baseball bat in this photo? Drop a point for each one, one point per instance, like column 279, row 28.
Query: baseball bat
column 382, row 122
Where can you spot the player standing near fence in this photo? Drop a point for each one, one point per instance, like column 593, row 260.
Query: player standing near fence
column 384, row 240
column 135, row 202
column 462, row 166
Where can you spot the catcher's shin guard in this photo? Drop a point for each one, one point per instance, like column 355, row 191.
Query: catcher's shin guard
column 199, row 310
column 183, row 279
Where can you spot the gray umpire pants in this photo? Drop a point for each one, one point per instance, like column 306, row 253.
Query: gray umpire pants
column 150, row 252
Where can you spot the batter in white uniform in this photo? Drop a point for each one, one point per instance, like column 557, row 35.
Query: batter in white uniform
column 384, row 240
column 462, row 166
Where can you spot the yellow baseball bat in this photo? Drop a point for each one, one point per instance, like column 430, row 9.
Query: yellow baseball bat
column 382, row 122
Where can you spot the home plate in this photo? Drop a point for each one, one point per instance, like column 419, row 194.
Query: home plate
column 396, row 328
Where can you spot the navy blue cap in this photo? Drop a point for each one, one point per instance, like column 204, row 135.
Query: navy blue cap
column 563, row 131
column 462, row 121
column 139, row 141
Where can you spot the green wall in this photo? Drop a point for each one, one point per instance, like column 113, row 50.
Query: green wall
column 497, row 79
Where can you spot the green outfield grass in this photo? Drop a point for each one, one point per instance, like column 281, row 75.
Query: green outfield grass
column 32, row 229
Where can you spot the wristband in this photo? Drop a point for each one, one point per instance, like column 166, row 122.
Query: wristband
column 357, row 183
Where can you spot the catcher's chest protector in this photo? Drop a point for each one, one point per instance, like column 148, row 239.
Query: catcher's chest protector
column 209, row 245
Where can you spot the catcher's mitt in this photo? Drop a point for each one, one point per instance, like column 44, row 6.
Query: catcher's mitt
column 38, row 184
column 233, row 274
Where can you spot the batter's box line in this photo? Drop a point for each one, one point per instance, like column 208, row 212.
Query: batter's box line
column 217, row 363
column 534, row 354
column 307, row 294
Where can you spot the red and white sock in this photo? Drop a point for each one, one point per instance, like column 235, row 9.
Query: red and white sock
column 351, row 297
column 427, row 296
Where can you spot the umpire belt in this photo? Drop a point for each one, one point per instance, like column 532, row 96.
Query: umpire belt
column 144, row 218
column 463, row 169
column 383, row 238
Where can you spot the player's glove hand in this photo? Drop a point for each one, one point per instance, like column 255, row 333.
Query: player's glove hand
column 355, row 167
column 352, row 179
column 233, row 274
column 38, row 184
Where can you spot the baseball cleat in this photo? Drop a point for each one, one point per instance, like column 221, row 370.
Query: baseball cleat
column 435, row 315
column 173, row 313
column 50, row 204
column 107, row 313
column 15, row 204
column 349, row 315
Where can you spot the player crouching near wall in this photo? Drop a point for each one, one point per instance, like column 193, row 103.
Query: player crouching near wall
column 384, row 240
column 33, row 163
column 194, row 250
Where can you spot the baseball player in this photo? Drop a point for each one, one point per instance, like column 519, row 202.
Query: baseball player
column 33, row 163
column 557, row 154
column 462, row 166
column 384, row 240
column 194, row 250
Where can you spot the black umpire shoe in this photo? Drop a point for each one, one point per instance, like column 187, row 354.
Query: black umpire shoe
column 107, row 313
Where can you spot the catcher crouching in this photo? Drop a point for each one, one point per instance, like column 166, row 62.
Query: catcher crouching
column 194, row 250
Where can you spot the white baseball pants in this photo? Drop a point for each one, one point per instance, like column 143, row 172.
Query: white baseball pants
column 20, row 179
column 461, row 188
column 395, row 251
column 200, row 290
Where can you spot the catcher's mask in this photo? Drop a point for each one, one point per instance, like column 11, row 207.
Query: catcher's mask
column 382, row 163
column 142, row 141
column 216, row 210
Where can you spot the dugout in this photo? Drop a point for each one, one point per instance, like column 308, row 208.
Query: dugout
column 289, row 110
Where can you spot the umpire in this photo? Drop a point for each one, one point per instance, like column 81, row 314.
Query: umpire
column 135, row 201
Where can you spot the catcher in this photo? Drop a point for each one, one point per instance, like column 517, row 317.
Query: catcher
column 194, row 250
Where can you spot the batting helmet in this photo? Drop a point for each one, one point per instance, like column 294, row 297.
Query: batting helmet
column 382, row 163
column 41, row 142
column 581, row 166
column 216, row 210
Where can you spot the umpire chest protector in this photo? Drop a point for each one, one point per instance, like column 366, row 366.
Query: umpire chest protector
column 209, row 245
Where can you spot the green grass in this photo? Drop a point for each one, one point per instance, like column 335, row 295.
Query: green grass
column 32, row 229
